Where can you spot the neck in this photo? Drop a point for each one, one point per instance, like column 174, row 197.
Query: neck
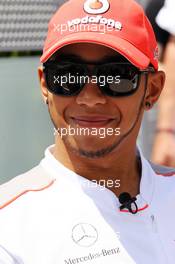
column 119, row 171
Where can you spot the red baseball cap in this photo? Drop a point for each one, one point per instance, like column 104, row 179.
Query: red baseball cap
column 120, row 25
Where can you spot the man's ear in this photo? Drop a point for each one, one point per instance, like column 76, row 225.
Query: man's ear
column 155, row 85
column 43, row 85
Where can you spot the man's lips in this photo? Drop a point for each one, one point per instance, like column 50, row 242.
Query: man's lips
column 92, row 121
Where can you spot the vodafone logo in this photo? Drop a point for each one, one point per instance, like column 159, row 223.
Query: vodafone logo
column 96, row 6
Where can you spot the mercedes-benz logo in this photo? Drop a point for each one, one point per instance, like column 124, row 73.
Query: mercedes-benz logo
column 84, row 235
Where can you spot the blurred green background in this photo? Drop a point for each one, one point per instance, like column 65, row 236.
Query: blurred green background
column 25, row 125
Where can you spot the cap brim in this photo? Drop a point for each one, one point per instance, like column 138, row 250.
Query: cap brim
column 120, row 45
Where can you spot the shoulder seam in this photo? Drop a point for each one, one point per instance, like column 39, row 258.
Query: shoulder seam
column 168, row 174
column 162, row 170
column 32, row 181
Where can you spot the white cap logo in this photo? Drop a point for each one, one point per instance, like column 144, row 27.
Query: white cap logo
column 96, row 6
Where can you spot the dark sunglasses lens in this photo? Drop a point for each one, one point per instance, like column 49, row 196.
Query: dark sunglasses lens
column 125, row 86
column 121, row 79
column 64, row 79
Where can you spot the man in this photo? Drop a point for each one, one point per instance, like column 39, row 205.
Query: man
column 94, row 198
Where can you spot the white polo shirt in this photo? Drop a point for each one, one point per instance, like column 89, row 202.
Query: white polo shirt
column 51, row 215
column 7, row 258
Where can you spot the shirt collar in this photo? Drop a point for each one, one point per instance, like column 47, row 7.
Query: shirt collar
column 58, row 170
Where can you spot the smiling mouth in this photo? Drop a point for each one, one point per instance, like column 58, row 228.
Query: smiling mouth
column 92, row 121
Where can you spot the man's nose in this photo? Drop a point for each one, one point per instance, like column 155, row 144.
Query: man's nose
column 90, row 95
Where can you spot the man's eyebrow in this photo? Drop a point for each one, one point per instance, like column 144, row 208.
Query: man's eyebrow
column 77, row 58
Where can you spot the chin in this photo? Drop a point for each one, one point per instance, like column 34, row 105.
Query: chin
column 92, row 142
column 91, row 146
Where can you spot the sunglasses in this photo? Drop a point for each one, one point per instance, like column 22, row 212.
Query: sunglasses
column 66, row 78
